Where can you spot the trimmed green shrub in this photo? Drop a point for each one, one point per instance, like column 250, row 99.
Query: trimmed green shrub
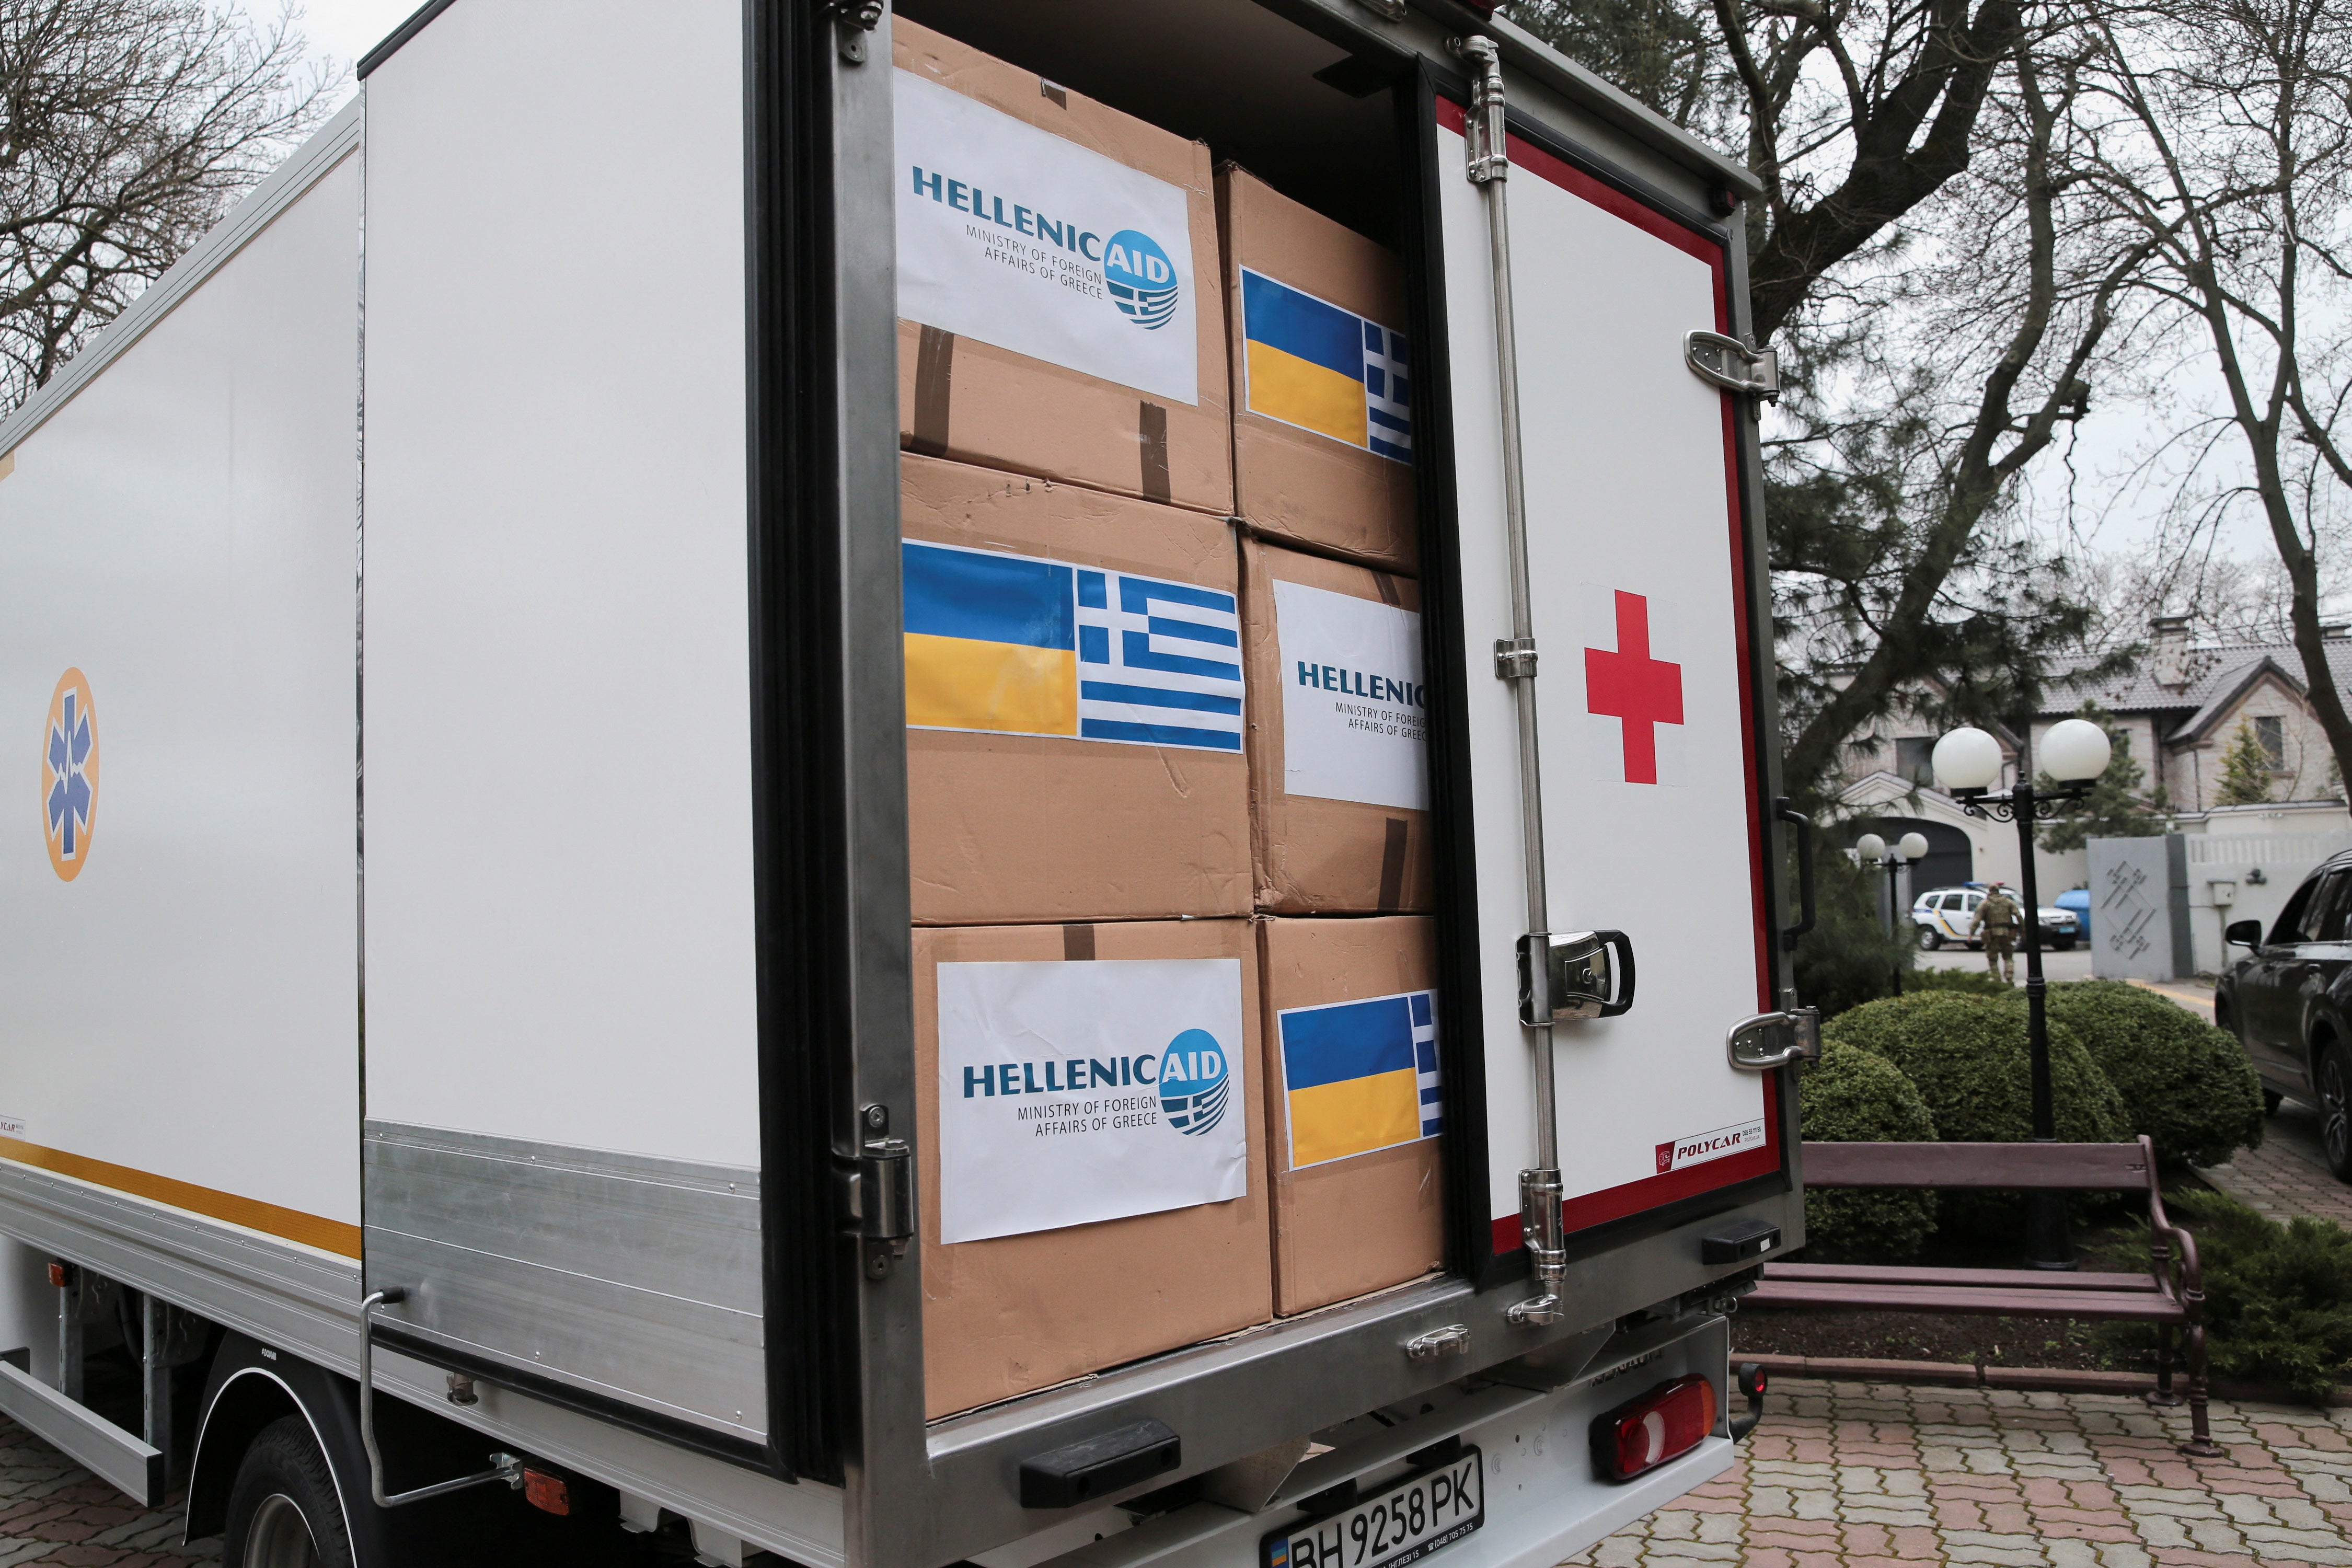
column 2278, row 1299
column 1967, row 1056
column 2184, row 1083
column 1969, row 982
column 1855, row 1096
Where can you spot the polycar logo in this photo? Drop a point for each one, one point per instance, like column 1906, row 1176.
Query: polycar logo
column 69, row 776
column 1140, row 278
column 1194, row 1081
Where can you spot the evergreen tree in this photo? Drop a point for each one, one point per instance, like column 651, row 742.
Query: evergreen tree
column 2115, row 808
column 2245, row 770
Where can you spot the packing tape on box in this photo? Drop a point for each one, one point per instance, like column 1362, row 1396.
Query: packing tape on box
column 1392, row 863
column 1152, row 431
column 934, row 387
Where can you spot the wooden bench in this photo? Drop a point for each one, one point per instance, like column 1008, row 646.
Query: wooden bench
column 2170, row 1296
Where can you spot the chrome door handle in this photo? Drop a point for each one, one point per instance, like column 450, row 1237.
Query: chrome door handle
column 1572, row 974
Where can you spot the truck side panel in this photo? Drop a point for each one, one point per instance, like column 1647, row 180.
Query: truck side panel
column 562, row 1133
column 178, row 985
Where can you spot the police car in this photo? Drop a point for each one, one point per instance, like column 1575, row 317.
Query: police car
column 1942, row 915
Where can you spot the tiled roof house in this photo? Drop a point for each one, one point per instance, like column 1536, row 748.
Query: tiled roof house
column 2179, row 709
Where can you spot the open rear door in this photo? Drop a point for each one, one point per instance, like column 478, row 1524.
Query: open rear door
column 1653, row 813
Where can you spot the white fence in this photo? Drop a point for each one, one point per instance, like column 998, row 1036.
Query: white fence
column 2211, row 880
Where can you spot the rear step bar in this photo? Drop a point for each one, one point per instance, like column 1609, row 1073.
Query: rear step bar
column 82, row 1435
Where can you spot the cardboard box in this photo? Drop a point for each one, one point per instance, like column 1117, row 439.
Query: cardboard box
column 1322, row 379
column 1090, row 780
column 1058, row 284
column 1354, row 1105
column 1338, row 780
column 1009, row 1313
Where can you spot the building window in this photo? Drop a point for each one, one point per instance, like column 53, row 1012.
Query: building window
column 2271, row 733
column 1914, row 757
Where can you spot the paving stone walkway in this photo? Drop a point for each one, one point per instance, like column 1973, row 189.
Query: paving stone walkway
column 1844, row 1475
column 2288, row 1176
column 52, row 1510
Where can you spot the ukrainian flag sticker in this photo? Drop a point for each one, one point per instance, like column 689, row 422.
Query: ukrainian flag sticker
column 1308, row 363
column 1360, row 1075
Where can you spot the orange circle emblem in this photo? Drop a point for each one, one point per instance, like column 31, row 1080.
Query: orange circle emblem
column 69, row 776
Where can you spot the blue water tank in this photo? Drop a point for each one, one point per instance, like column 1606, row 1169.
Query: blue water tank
column 2079, row 901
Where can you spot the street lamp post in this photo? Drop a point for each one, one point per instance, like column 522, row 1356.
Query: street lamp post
column 1967, row 763
column 1907, row 851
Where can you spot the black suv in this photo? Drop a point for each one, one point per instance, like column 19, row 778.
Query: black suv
column 2291, row 1002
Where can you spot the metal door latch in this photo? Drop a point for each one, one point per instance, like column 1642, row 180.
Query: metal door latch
column 1453, row 1339
column 876, row 1191
column 1770, row 1040
column 1572, row 974
column 1515, row 659
column 1483, row 127
column 1711, row 357
column 1543, row 1230
column 852, row 20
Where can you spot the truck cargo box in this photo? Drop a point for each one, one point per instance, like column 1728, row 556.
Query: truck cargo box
column 1322, row 378
column 1075, row 702
column 1339, row 756
column 1081, row 338
column 505, row 983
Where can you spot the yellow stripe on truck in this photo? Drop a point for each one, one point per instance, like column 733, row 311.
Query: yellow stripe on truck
column 312, row 1230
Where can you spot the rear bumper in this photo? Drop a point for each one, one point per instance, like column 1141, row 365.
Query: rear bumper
column 1543, row 1501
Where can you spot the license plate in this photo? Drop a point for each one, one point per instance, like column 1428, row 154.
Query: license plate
column 1403, row 1524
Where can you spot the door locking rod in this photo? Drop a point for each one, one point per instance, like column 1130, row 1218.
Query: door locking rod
column 1541, row 1226
column 505, row 1467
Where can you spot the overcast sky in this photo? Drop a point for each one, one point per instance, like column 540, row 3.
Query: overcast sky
column 341, row 31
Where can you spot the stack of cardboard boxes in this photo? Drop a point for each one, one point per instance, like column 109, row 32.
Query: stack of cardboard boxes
column 1168, row 818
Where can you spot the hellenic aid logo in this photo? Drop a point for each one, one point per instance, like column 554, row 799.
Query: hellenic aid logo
column 69, row 776
column 1140, row 278
column 1193, row 1082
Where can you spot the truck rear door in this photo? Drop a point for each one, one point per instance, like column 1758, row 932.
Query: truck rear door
column 1649, row 630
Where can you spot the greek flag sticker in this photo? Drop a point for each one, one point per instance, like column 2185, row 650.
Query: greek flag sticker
column 1013, row 645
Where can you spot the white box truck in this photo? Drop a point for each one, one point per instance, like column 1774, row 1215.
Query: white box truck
column 455, row 1007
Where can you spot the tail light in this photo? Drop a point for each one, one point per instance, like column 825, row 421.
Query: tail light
column 1646, row 1431
column 547, row 1493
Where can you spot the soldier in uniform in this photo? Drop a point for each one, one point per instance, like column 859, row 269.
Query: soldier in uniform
column 1997, row 917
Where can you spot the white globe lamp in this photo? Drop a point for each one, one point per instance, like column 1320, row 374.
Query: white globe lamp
column 1914, row 846
column 1870, row 848
column 2075, row 750
column 1969, row 758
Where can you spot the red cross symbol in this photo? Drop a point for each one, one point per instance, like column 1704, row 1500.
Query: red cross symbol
column 1629, row 686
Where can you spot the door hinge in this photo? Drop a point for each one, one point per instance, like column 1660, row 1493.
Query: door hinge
column 874, row 1190
column 852, row 20
column 1711, row 357
column 1515, row 659
column 1770, row 1040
